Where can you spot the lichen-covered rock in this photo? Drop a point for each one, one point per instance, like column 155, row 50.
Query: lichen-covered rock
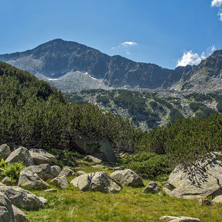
column 22, row 198
column 61, row 182
column 7, row 181
column 19, row 215
column 29, row 180
column 127, row 177
column 67, row 171
column 217, row 199
column 40, row 156
column 6, row 212
column 92, row 159
column 98, row 181
column 20, row 155
column 195, row 183
column 5, row 151
column 151, row 187
column 42, row 170
column 55, row 170
column 80, row 172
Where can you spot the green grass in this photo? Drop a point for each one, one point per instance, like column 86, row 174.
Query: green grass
column 129, row 205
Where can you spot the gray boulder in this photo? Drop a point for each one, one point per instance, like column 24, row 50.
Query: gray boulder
column 42, row 170
column 98, row 181
column 127, row 177
column 179, row 219
column 22, row 198
column 79, row 173
column 51, row 191
column 67, row 171
column 92, row 159
column 55, row 170
column 217, row 199
column 20, row 155
column 29, row 179
column 6, row 212
column 4, row 151
column 19, row 215
column 61, row 182
column 199, row 181
column 41, row 156
column 151, row 187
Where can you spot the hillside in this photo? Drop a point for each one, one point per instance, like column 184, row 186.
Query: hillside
column 150, row 110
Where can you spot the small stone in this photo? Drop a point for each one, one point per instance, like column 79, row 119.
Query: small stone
column 51, row 190
column 92, row 159
column 79, row 173
column 205, row 202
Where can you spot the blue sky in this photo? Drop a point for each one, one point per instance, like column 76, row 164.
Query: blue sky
column 164, row 32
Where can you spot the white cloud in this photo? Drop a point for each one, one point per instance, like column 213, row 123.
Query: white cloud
column 126, row 44
column 216, row 3
column 220, row 15
column 190, row 58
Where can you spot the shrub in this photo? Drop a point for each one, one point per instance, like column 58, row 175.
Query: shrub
column 12, row 170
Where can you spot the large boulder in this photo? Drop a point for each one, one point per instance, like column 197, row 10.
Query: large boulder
column 22, row 198
column 98, row 181
column 200, row 180
column 5, row 151
column 19, row 215
column 55, row 170
column 42, row 170
column 99, row 148
column 6, row 211
column 20, row 155
column 127, row 177
column 61, row 182
column 31, row 180
column 40, row 156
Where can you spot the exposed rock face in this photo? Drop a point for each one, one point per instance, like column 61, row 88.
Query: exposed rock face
column 98, row 181
column 40, row 156
column 20, row 155
column 179, row 219
column 151, row 187
column 19, row 215
column 92, row 159
column 61, row 182
column 6, row 211
column 195, row 183
column 127, row 177
column 67, row 171
column 101, row 148
column 22, row 198
column 5, row 151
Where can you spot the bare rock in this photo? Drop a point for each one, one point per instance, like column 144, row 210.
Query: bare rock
column 19, row 215
column 179, row 219
column 67, row 171
column 5, row 151
column 61, row 182
column 92, row 159
column 6, row 212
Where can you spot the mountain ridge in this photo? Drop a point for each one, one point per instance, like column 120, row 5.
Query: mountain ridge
column 57, row 57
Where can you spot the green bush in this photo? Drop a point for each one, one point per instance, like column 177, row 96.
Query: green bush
column 12, row 170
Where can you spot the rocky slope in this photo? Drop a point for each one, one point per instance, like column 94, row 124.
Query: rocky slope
column 150, row 110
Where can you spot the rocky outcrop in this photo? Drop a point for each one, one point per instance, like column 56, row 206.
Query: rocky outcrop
column 127, row 177
column 98, row 181
column 6, row 211
column 20, row 155
column 201, row 180
column 179, row 219
column 61, row 182
column 40, row 156
column 22, row 198
column 5, row 151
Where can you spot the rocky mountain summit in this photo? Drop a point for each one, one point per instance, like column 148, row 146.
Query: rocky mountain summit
column 71, row 66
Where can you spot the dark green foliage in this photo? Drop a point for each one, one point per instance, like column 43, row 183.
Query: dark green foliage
column 175, row 115
column 34, row 114
column 102, row 99
column 219, row 106
column 195, row 106
column 199, row 97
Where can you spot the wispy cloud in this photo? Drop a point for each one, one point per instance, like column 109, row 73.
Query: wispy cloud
column 127, row 44
column 125, row 47
column 190, row 58
column 218, row 3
